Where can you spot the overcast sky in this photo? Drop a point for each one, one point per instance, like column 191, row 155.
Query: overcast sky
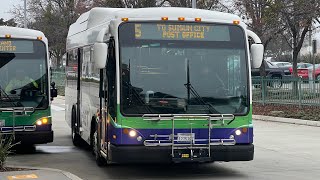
column 6, row 5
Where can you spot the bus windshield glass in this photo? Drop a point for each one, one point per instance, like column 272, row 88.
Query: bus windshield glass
column 23, row 74
column 183, row 68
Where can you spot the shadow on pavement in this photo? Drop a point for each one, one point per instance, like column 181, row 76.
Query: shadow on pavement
column 171, row 171
column 24, row 149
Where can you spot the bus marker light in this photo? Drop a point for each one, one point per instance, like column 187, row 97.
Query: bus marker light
column 132, row 133
column 236, row 22
column 197, row 19
column 8, row 36
column 164, row 18
column 238, row 132
column 181, row 18
column 125, row 19
column 39, row 38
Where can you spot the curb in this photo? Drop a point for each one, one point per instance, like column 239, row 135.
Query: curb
column 286, row 120
column 67, row 174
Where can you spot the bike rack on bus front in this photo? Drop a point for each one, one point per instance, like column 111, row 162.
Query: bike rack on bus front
column 17, row 111
column 172, row 139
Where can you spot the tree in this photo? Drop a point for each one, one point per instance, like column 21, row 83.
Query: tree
column 53, row 18
column 263, row 18
column 9, row 22
column 201, row 4
column 129, row 3
column 298, row 16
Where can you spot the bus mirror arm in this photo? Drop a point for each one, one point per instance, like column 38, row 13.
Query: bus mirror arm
column 53, row 90
column 257, row 50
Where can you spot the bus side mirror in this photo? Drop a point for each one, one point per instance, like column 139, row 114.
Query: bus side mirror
column 257, row 55
column 53, row 90
column 100, row 54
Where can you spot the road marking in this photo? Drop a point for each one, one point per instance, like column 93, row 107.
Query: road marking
column 57, row 108
column 28, row 176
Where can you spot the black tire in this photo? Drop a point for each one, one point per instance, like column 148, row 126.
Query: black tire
column 276, row 82
column 76, row 138
column 100, row 161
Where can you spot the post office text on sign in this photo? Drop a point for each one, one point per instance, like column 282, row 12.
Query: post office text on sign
column 183, row 31
column 7, row 46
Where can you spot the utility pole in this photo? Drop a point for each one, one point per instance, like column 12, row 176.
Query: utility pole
column 194, row 4
column 25, row 13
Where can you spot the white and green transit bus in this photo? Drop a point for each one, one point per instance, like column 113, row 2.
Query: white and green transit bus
column 25, row 92
column 161, row 84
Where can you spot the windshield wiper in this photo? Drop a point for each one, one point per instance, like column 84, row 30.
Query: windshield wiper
column 2, row 91
column 133, row 91
column 192, row 90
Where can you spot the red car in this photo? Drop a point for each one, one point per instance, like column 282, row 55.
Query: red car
column 301, row 65
column 304, row 72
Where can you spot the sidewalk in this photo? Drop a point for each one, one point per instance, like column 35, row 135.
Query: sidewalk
column 286, row 120
column 39, row 174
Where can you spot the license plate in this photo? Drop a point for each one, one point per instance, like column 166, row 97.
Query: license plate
column 2, row 123
column 185, row 137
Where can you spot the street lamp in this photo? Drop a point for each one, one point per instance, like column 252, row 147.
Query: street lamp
column 194, row 4
column 25, row 13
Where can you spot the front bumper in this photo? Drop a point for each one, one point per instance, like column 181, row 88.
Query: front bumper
column 162, row 154
column 35, row 137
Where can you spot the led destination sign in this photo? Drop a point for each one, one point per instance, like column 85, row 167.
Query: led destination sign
column 196, row 32
column 16, row 46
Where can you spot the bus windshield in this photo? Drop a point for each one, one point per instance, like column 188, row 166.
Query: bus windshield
column 176, row 68
column 23, row 74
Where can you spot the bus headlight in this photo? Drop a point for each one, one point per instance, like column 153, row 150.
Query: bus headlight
column 42, row 121
column 238, row 132
column 39, row 122
column 132, row 133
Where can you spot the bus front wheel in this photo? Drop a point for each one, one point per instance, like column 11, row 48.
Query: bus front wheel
column 76, row 139
column 96, row 149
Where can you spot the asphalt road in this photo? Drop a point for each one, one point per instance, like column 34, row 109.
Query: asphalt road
column 282, row 151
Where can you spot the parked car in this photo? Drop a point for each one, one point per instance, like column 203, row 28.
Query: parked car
column 272, row 72
column 285, row 66
column 300, row 65
column 304, row 72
